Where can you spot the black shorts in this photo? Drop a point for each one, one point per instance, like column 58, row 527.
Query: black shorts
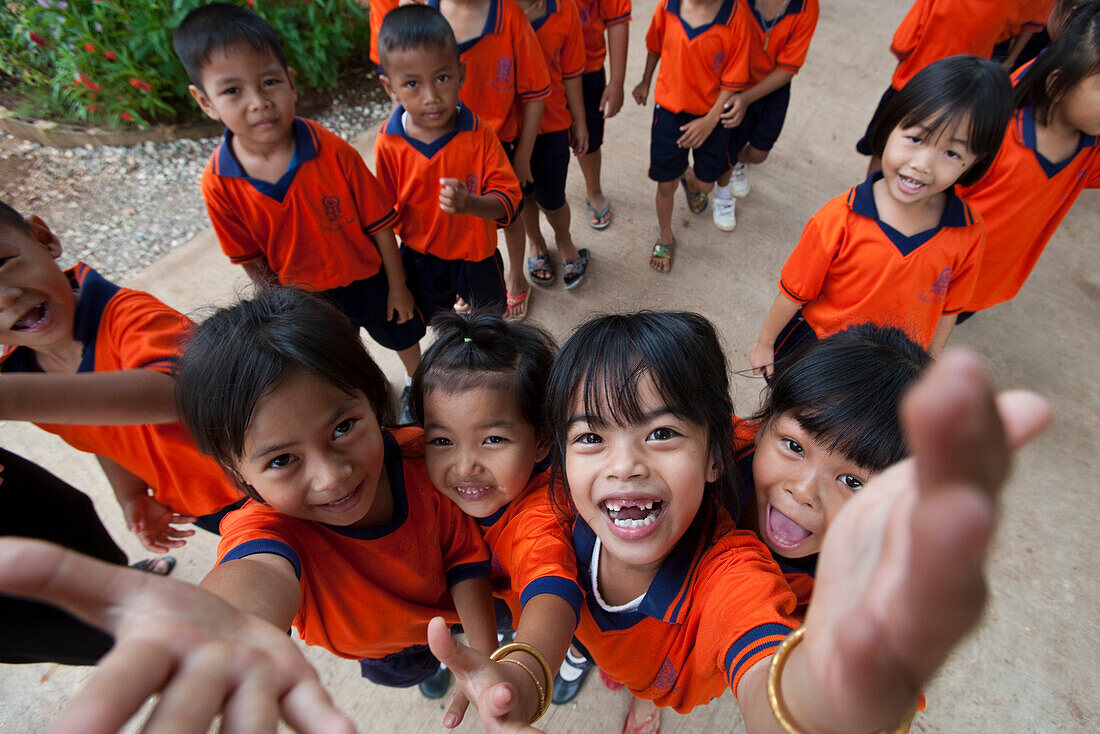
column 435, row 282
column 402, row 669
column 364, row 302
column 762, row 123
column 864, row 145
column 593, row 83
column 792, row 339
column 667, row 161
column 524, row 189
column 550, row 166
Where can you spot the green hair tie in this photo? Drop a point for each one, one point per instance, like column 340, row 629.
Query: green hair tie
column 467, row 339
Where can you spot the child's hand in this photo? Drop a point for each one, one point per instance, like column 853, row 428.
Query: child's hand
column 899, row 580
column 153, row 523
column 480, row 681
column 579, row 139
column 761, row 357
column 696, row 132
column 399, row 304
column 612, row 100
column 641, row 92
column 454, row 197
column 200, row 653
column 734, row 111
column 521, row 164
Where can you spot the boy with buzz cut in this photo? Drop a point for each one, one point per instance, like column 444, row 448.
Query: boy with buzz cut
column 291, row 202
column 91, row 362
column 444, row 167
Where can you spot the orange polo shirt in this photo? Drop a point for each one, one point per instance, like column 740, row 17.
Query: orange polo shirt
column 596, row 17
column 559, row 34
column 785, row 45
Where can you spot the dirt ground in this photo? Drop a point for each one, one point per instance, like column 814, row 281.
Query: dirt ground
column 1032, row 666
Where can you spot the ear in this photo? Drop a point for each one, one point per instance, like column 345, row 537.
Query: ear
column 292, row 77
column 542, row 448
column 388, row 86
column 712, row 470
column 203, row 101
column 44, row 235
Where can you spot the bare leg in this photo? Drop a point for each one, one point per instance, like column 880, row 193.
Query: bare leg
column 643, row 717
column 515, row 240
column 559, row 220
column 410, row 358
column 665, row 192
column 694, row 185
column 590, row 166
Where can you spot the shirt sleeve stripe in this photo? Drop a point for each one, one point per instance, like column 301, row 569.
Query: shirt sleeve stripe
column 565, row 588
column 789, row 68
column 751, row 647
column 617, row 19
column 792, row 296
column 274, row 547
column 385, row 222
column 735, row 87
column 509, row 210
column 536, row 94
column 466, row 571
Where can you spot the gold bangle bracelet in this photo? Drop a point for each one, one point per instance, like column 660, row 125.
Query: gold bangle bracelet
column 775, row 672
column 542, row 691
column 545, row 695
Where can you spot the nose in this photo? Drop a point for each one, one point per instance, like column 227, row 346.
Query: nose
column 626, row 462
column 257, row 99
column 9, row 295
column 466, row 463
column 922, row 158
column 332, row 472
column 803, row 489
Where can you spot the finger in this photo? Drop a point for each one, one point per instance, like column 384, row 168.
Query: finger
column 1024, row 415
column 194, row 695
column 457, row 710
column 451, row 183
column 153, row 544
column 499, row 701
column 308, row 709
column 178, row 519
column 446, row 648
column 173, row 532
column 254, row 705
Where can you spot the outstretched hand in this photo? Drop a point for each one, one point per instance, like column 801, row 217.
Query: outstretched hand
column 202, row 655
column 154, row 524
column 900, row 577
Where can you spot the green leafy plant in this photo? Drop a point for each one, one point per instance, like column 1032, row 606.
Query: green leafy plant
column 111, row 62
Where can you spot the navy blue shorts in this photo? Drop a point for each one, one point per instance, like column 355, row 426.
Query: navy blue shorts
column 524, row 189
column 364, row 302
column 762, row 123
column 864, row 145
column 792, row 339
column 667, row 161
column 593, row 83
column 550, row 166
column 412, row 665
column 435, row 282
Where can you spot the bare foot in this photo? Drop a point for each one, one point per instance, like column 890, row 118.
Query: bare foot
column 660, row 258
column 643, row 717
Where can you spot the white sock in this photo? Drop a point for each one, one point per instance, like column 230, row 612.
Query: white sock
column 723, row 192
column 408, row 381
column 571, row 667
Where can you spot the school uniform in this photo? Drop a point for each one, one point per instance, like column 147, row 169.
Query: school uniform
column 596, row 17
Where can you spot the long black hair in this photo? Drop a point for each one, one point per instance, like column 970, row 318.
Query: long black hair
column 1066, row 62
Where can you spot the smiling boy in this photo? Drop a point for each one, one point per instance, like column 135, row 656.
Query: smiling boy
column 291, row 202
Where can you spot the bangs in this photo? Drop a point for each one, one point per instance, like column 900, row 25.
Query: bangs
column 864, row 440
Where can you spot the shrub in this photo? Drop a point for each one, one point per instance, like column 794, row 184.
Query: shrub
column 111, row 62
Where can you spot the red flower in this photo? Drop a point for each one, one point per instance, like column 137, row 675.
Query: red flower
column 252, row 2
column 38, row 39
column 89, row 83
column 93, row 107
column 126, row 116
column 109, row 55
column 89, row 48
column 139, row 84
column 77, row 81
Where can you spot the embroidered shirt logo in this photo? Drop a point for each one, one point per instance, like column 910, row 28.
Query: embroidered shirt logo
column 666, row 676
column 503, row 79
column 471, row 184
column 719, row 62
column 936, row 293
column 331, row 205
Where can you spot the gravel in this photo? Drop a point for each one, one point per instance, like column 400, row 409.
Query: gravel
column 121, row 209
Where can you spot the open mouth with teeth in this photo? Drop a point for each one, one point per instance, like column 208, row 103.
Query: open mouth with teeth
column 33, row 320
column 346, row 502
column 910, row 185
column 632, row 514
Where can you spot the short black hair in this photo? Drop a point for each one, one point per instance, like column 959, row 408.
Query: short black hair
column 480, row 349
column 241, row 353
column 415, row 26
column 846, row 389
column 1060, row 13
column 13, row 219
column 1074, row 56
column 218, row 26
column 607, row 360
column 944, row 93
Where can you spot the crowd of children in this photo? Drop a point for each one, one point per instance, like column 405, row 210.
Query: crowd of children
column 598, row 506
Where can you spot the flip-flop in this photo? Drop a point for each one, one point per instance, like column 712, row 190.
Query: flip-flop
column 599, row 215
column 697, row 200
column 149, row 565
column 575, row 269
column 541, row 263
column 661, row 251
column 513, row 302
column 652, row 724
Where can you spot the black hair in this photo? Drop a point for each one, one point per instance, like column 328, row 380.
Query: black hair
column 1060, row 13
column 13, row 219
column 483, row 350
column 415, row 26
column 1068, row 60
column 845, row 390
column 607, row 360
column 944, row 93
column 244, row 352
column 218, row 26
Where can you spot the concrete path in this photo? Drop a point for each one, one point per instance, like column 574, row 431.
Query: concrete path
column 1033, row 664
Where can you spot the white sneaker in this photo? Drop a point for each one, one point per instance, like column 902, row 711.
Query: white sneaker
column 739, row 180
column 723, row 214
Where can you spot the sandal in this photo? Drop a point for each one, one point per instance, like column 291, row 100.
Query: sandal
column 541, row 263
column 573, row 271
column 697, row 200
column 651, row 725
column 161, row 566
column 661, row 251
column 517, row 306
column 599, row 215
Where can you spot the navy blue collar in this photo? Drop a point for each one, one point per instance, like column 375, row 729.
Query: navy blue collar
column 464, row 121
column 793, row 8
column 1027, row 128
column 491, row 520
column 724, row 14
column 396, row 475
column 93, row 293
column 490, row 24
column 305, row 149
column 666, row 596
column 551, row 8
column 862, row 201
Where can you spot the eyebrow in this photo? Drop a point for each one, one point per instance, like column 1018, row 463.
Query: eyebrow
column 434, row 426
column 272, row 448
column 655, row 413
column 960, row 141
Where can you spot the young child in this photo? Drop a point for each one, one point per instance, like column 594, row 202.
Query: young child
column 443, row 165
column 829, row 422
column 479, row 393
column 345, row 537
column 1051, row 151
column 509, row 84
column 933, row 30
column 91, row 362
column 602, row 98
column 558, row 27
column 780, row 34
column 290, row 201
column 901, row 249
column 703, row 48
